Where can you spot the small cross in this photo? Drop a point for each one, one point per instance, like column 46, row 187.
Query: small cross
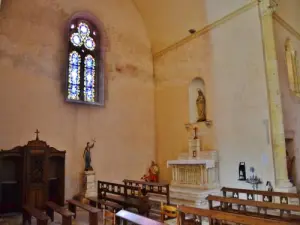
column 37, row 134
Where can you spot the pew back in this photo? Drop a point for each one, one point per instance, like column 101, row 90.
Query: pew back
column 243, row 206
column 150, row 187
column 266, row 196
column 219, row 216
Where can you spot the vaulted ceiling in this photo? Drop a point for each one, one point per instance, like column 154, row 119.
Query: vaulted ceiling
column 168, row 21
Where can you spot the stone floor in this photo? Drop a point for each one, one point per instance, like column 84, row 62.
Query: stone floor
column 81, row 219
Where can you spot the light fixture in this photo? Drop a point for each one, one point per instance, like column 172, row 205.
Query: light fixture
column 192, row 31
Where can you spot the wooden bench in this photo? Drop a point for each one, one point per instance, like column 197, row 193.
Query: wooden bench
column 93, row 212
column 52, row 207
column 214, row 216
column 266, row 196
column 128, row 197
column 226, row 204
column 136, row 219
column 161, row 189
column 28, row 212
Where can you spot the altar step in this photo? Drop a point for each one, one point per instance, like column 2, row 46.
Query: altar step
column 194, row 197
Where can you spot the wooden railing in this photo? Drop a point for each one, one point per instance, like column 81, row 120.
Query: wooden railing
column 150, row 187
column 266, row 196
column 224, row 217
column 118, row 189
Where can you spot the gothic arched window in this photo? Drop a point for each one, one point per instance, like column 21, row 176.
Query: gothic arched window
column 83, row 73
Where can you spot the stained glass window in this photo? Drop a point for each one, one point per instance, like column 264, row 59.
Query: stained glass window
column 83, row 63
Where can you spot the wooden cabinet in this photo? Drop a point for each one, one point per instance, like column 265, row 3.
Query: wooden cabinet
column 31, row 174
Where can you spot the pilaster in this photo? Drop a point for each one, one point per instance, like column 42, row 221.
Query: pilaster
column 266, row 9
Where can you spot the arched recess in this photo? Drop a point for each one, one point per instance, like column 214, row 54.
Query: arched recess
column 196, row 84
column 292, row 67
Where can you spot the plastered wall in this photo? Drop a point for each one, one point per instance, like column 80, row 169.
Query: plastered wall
column 32, row 54
column 290, row 103
column 240, row 100
column 174, row 72
column 230, row 60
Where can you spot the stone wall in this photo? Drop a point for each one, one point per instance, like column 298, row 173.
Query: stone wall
column 32, row 64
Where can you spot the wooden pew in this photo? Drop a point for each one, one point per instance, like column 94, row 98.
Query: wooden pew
column 100, row 203
column 266, row 196
column 128, row 197
column 28, row 212
column 226, row 204
column 161, row 189
column 225, row 217
column 93, row 212
column 52, row 207
column 136, row 219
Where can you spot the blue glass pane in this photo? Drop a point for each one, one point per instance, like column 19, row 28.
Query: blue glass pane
column 76, row 39
column 89, row 78
column 90, row 44
column 89, row 94
column 83, row 30
column 89, row 63
column 74, row 76
column 73, row 92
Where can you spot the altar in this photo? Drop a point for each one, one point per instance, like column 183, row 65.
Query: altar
column 195, row 173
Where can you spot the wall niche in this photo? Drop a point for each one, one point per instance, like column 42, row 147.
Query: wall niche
column 197, row 101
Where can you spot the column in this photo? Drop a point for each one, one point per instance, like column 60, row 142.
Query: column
column 266, row 8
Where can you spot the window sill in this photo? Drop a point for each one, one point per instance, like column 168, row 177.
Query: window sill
column 85, row 103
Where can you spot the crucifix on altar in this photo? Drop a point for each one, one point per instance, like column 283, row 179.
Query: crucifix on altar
column 195, row 145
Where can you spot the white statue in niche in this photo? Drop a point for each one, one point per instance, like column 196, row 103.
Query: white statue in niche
column 201, row 106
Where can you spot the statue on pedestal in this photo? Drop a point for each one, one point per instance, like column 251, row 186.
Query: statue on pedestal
column 201, row 106
column 87, row 156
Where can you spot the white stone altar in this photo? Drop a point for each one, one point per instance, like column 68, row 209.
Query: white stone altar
column 89, row 184
column 194, row 174
column 201, row 172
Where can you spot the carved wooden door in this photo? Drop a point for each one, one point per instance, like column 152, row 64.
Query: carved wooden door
column 37, row 185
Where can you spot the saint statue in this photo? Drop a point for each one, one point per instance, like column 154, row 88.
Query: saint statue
column 87, row 156
column 290, row 164
column 152, row 175
column 201, row 106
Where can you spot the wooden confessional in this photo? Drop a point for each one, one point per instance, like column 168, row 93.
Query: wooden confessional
column 31, row 174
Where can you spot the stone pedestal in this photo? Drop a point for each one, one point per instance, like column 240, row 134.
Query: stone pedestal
column 89, row 184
